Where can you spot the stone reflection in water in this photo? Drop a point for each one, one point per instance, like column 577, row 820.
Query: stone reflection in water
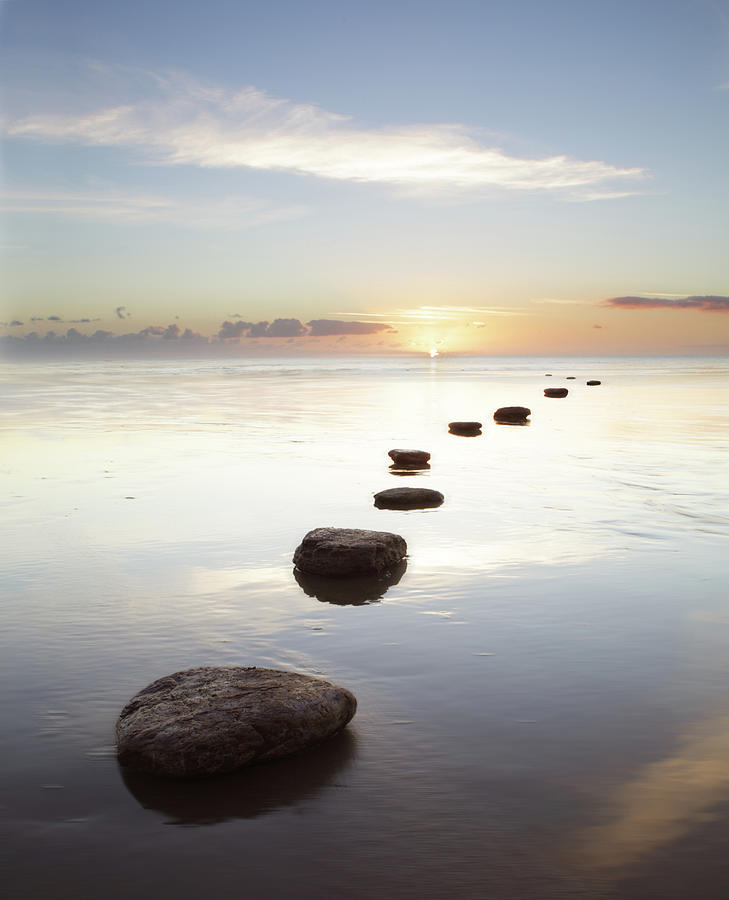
column 396, row 469
column 351, row 590
column 247, row 793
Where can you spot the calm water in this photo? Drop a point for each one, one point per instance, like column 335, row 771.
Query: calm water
column 543, row 692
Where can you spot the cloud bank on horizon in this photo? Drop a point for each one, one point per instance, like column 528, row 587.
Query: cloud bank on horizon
column 704, row 304
column 182, row 121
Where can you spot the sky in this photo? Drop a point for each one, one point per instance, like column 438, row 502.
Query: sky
column 491, row 177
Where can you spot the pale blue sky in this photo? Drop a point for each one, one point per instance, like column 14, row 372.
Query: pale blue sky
column 519, row 163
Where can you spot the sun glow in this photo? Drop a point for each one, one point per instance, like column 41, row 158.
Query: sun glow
column 433, row 352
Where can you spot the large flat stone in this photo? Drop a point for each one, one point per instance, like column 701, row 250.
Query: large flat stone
column 348, row 551
column 215, row 719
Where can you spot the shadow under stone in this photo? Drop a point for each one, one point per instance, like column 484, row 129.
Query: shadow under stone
column 349, row 590
column 247, row 793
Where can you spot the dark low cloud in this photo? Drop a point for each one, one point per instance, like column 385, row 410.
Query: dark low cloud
column 121, row 312
column 285, row 328
column 152, row 340
column 705, row 304
column 231, row 331
column 189, row 335
column 279, row 328
column 15, row 322
column 258, row 330
column 55, row 319
column 321, row 327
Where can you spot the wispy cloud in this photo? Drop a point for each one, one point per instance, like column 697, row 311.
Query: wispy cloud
column 422, row 314
column 184, row 122
column 555, row 301
column 488, row 310
column 705, row 304
column 128, row 208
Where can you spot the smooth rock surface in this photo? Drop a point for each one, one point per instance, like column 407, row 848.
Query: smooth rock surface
column 215, row 719
column 408, row 498
column 348, row 551
column 465, row 428
column 511, row 414
column 409, row 458
column 555, row 392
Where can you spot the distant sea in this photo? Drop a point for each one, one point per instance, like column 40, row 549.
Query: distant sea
column 543, row 691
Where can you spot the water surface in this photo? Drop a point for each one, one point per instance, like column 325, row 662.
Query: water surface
column 543, row 689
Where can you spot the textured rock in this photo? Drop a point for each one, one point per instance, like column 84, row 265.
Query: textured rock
column 593, row 382
column 555, row 392
column 408, row 498
column 218, row 718
column 409, row 459
column 348, row 551
column 512, row 414
column 465, row 428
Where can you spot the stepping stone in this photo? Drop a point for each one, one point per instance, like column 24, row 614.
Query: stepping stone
column 215, row 719
column 408, row 498
column 348, row 551
column 467, row 429
column 409, row 459
column 512, row 415
column 555, row 392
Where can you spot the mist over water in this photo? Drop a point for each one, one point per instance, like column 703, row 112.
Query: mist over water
column 543, row 690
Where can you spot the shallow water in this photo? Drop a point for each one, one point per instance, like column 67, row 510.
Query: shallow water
column 543, row 691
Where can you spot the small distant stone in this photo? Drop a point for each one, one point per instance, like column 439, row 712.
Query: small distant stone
column 348, row 551
column 548, row 375
column 555, row 392
column 408, row 498
column 512, row 414
column 593, row 382
column 570, row 378
column 409, row 459
column 465, row 428
column 214, row 719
